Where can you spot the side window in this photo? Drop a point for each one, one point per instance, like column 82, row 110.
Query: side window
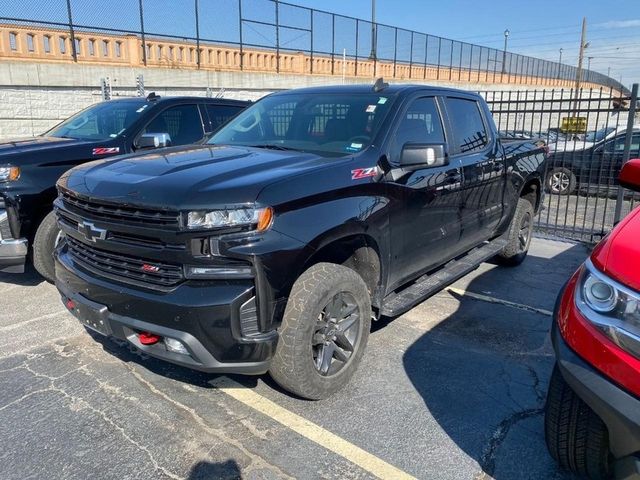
column 618, row 144
column 468, row 127
column 219, row 114
column 182, row 123
column 420, row 124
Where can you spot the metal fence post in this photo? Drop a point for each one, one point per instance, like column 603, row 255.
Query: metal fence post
column 197, row 34
column 311, row 53
column 277, row 35
column 439, row 51
column 395, row 52
column 333, row 43
column 144, row 41
column 356, row 63
column 240, row 32
column 411, row 56
column 72, row 35
column 426, row 49
column 627, row 149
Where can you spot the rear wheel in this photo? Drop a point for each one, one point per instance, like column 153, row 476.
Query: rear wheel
column 324, row 331
column 576, row 437
column 519, row 235
column 47, row 238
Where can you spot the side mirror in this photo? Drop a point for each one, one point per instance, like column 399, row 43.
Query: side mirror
column 153, row 140
column 630, row 175
column 423, row 155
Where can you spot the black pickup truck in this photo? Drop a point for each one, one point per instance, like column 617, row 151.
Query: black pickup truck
column 272, row 247
column 30, row 167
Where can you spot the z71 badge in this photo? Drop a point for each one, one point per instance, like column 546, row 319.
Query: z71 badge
column 106, row 150
column 359, row 173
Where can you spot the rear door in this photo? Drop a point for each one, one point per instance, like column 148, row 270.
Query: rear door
column 483, row 170
column 425, row 214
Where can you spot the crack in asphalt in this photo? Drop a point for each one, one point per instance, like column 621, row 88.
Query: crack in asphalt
column 488, row 459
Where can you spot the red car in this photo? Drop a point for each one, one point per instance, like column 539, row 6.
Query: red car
column 592, row 415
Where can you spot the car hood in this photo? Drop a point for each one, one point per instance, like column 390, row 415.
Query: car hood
column 36, row 144
column 618, row 254
column 197, row 177
column 570, row 146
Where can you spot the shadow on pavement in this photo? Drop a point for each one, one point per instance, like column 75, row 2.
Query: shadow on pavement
column 483, row 371
column 29, row 278
column 228, row 470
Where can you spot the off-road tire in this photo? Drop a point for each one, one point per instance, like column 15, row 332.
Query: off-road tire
column 292, row 366
column 43, row 246
column 514, row 252
column 569, row 179
column 576, row 437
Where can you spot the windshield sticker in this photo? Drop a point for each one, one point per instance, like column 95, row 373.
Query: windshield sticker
column 113, row 135
column 371, row 108
column 354, row 147
column 359, row 173
column 106, row 150
column 382, row 100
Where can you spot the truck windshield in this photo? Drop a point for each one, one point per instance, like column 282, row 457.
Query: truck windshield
column 326, row 124
column 598, row 134
column 101, row 121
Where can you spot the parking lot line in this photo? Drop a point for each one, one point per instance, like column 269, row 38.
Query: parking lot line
column 487, row 298
column 310, row 430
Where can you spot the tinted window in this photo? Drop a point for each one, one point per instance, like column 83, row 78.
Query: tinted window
column 182, row 123
column 100, row 121
column 468, row 127
column 617, row 145
column 420, row 124
column 327, row 124
column 220, row 114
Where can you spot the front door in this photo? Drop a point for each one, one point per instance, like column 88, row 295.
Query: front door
column 425, row 213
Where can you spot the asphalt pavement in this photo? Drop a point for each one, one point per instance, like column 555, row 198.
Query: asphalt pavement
column 453, row 389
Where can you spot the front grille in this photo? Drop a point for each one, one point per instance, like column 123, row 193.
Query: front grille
column 123, row 267
column 120, row 213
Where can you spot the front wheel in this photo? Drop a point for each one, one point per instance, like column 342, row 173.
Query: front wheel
column 576, row 437
column 519, row 235
column 47, row 238
column 324, row 331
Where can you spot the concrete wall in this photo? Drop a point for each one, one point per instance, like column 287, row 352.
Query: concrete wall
column 36, row 96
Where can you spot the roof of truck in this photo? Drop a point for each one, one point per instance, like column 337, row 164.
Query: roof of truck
column 391, row 89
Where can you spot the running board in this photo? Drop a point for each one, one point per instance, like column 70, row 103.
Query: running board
column 424, row 287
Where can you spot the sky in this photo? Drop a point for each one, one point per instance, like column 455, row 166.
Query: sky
column 537, row 28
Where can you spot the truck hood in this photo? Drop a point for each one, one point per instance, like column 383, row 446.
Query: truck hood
column 36, row 144
column 196, row 177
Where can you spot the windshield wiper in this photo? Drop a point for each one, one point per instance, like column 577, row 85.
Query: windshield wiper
column 272, row 146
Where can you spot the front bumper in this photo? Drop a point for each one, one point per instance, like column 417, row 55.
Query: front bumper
column 204, row 315
column 618, row 409
column 13, row 252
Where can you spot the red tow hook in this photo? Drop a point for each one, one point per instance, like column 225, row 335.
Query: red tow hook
column 70, row 304
column 147, row 338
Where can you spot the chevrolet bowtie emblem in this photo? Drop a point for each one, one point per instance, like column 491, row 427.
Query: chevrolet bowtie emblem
column 91, row 232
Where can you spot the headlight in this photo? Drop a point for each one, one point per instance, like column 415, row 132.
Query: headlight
column 610, row 306
column 9, row 174
column 259, row 218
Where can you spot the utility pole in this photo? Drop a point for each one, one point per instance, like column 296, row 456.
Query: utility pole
column 589, row 63
column 583, row 46
column 374, row 31
column 608, row 71
column 560, row 62
column 504, row 52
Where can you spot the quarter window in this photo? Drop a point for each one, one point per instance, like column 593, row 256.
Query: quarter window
column 468, row 127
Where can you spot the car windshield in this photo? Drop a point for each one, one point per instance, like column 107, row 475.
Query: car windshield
column 329, row 124
column 598, row 135
column 101, row 121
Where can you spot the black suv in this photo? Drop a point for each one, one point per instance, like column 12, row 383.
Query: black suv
column 30, row 167
column 272, row 247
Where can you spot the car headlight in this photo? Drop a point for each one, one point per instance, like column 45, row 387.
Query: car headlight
column 8, row 174
column 612, row 307
column 259, row 218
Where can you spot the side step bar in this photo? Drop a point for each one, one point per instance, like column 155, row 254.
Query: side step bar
column 424, row 287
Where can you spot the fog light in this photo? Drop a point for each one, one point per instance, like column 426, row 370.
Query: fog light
column 175, row 346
